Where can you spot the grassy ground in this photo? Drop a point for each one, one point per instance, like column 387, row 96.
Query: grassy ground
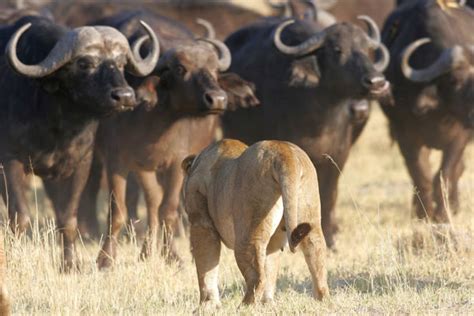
column 375, row 270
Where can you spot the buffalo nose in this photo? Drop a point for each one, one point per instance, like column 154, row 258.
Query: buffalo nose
column 123, row 97
column 215, row 100
column 374, row 81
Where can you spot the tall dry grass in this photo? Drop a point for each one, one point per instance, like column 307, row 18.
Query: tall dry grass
column 386, row 261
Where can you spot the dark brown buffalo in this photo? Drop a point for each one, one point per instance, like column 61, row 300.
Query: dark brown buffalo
column 227, row 16
column 55, row 86
column 171, row 33
column 431, row 69
column 305, row 9
column 349, row 10
column 312, row 90
column 177, row 117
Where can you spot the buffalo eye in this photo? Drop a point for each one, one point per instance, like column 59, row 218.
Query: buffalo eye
column 180, row 70
column 85, row 63
column 338, row 50
column 121, row 62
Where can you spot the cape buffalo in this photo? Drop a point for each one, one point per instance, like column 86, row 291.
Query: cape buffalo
column 349, row 10
column 305, row 9
column 432, row 61
column 312, row 85
column 227, row 16
column 55, row 85
column 177, row 117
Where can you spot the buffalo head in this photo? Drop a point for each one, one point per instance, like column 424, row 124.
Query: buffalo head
column 86, row 66
column 189, row 79
column 338, row 59
column 453, row 75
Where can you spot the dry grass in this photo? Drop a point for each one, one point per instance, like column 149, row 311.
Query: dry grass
column 386, row 262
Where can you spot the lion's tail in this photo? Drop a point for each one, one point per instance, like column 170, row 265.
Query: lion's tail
column 289, row 178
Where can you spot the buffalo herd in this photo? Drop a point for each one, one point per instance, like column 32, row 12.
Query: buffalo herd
column 108, row 90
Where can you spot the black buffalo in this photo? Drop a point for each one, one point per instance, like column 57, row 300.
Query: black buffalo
column 313, row 86
column 432, row 62
column 177, row 116
column 55, row 85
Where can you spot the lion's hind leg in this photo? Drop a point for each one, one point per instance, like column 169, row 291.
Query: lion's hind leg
column 251, row 261
column 314, row 249
column 206, row 249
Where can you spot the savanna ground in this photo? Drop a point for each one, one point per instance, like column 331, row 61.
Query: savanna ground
column 386, row 261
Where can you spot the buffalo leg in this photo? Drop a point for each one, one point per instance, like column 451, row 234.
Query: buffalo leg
column 13, row 193
column 454, row 193
column 132, row 197
column 417, row 161
column 87, row 214
column 65, row 195
column 153, row 197
column 117, row 179
column 449, row 174
column 328, row 177
column 168, row 211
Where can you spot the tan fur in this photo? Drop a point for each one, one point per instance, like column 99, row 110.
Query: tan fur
column 253, row 199
column 4, row 301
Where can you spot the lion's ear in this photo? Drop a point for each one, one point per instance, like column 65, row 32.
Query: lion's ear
column 187, row 162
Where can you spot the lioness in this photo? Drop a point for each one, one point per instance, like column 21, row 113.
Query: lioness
column 253, row 199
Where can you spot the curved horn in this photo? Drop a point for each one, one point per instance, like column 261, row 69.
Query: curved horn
column 313, row 8
column 374, row 32
column 225, row 58
column 448, row 59
column 326, row 4
column 210, row 32
column 311, row 44
column 137, row 45
column 57, row 57
column 136, row 64
column 375, row 42
column 384, row 61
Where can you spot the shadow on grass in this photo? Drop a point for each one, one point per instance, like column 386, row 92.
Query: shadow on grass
column 378, row 284
column 234, row 290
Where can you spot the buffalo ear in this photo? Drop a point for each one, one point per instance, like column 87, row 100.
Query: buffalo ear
column 187, row 163
column 147, row 94
column 240, row 93
column 305, row 72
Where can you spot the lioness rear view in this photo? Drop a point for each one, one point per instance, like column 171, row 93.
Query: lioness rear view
column 253, row 199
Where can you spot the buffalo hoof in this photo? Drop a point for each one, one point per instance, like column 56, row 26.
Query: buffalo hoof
column 20, row 224
column 107, row 255
column 171, row 257
column 147, row 250
column 441, row 216
column 104, row 261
